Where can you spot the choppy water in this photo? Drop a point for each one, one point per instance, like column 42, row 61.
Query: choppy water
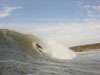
column 17, row 57
column 86, row 63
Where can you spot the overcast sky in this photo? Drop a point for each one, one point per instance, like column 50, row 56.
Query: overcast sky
column 71, row 22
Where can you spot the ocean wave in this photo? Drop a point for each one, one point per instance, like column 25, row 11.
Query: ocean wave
column 33, row 45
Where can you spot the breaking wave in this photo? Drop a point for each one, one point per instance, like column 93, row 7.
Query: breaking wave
column 34, row 46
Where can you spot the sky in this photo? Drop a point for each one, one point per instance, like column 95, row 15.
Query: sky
column 71, row 22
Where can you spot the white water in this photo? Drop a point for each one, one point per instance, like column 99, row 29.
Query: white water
column 53, row 49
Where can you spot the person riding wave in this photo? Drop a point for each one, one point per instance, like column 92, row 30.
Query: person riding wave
column 39, row 47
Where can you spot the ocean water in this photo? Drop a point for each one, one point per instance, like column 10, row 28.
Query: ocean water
column 19, row 56
column 87, row 63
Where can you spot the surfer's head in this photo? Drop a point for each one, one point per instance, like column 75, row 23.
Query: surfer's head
column 38, row 46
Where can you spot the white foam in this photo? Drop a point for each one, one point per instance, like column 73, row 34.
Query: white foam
column 55, row 50
column 58, row 50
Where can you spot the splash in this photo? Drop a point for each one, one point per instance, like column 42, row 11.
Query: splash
column 53, row 49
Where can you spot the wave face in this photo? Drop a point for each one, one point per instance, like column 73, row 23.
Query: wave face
column 16, row 46
column 25, row 43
